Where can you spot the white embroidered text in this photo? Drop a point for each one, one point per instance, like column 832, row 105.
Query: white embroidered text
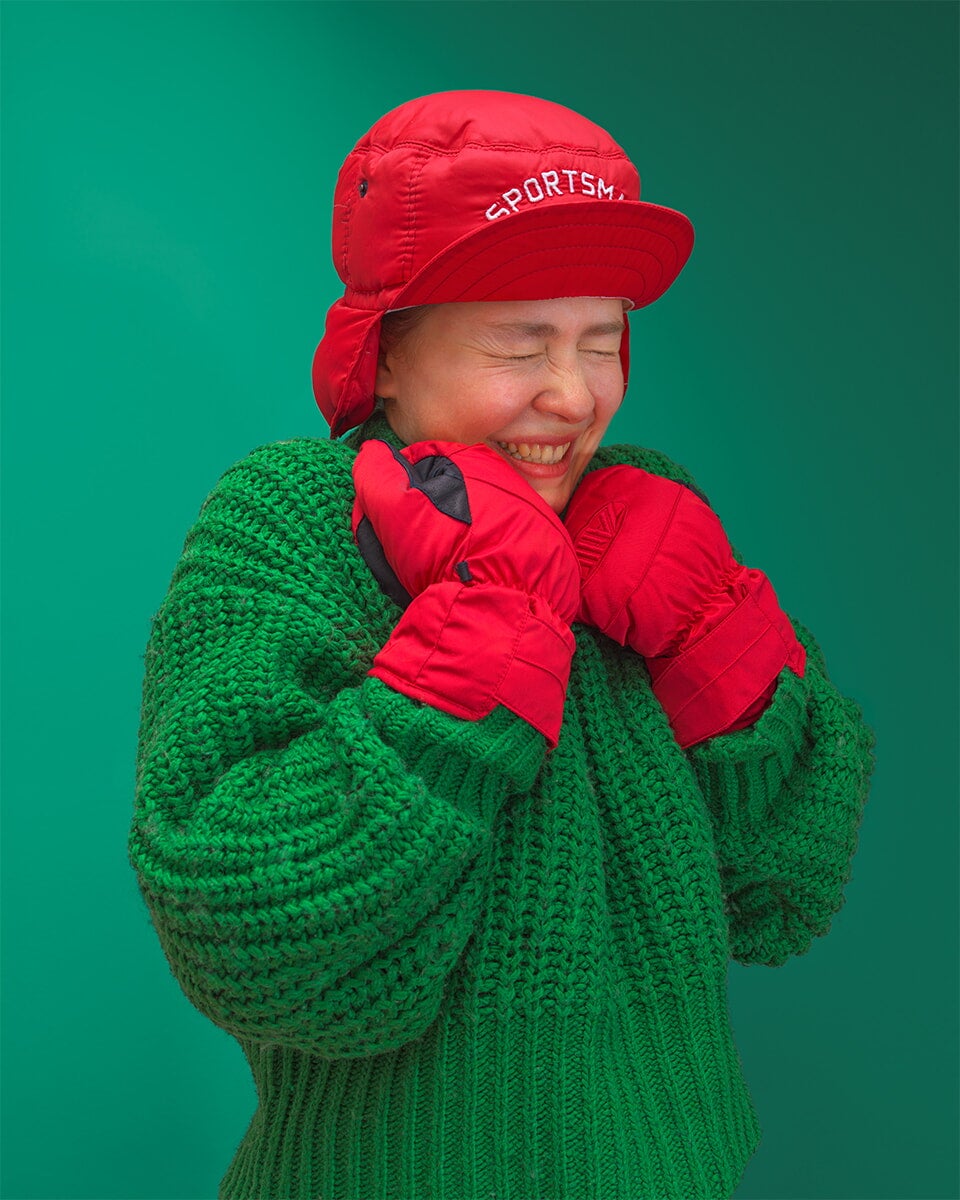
column 550, row 183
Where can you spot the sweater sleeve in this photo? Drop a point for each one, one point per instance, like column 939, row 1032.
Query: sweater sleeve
column 785, row 795
column 311, row 845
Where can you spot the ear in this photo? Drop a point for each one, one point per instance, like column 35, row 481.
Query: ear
column 386, row 384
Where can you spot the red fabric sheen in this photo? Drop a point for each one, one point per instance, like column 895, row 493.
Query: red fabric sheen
column 502, row 639
column 659, row 575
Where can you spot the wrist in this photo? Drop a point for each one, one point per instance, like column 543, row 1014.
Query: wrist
column 723, row 598
column 707, row 687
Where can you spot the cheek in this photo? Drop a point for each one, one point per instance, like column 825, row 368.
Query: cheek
column 442, row 417
column 488, row 410
column 610, row 398
column 606, row 410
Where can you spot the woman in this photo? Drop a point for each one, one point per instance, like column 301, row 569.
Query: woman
column 470, row 751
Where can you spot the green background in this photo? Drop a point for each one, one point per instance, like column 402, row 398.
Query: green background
column 167, row 177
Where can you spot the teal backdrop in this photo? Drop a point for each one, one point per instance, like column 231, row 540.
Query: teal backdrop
column 167, row 179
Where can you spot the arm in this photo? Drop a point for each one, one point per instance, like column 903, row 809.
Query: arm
column 785, row 785
column 786, row 797
column 312, row 845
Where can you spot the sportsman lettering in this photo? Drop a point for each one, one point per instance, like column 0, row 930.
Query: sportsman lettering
column 538, row 188
column 471, row 752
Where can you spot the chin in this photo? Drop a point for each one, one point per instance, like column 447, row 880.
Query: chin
column 557, row 498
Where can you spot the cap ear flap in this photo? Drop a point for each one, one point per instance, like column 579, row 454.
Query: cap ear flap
column 345, row 366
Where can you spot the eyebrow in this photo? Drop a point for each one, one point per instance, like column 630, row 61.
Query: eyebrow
column 535, row 329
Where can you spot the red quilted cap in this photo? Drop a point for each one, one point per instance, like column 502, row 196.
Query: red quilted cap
column 480, row 195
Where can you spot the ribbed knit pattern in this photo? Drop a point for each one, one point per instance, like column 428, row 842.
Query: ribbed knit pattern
column 462, row 968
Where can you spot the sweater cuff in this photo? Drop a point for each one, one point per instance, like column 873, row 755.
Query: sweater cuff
column 475, row 763
column 742, row 773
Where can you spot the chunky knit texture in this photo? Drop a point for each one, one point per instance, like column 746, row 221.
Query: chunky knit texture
column 462, row 968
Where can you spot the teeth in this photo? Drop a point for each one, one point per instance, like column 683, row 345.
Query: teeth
column 535, row 452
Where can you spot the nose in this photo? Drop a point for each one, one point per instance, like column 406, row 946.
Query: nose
column 566, row 394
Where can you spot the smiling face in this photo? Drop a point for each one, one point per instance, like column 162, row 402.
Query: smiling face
column 536, row 380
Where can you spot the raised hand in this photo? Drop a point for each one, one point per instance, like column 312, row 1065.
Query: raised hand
column 486, row 574
column 658, row 574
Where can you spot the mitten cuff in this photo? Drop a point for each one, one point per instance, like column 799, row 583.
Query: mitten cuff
column 465, row 648
column 710, row 684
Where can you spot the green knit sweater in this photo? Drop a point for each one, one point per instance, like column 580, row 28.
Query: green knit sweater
column 461, row 967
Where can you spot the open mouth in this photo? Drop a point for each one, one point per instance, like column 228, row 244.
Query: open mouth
column 535, row 452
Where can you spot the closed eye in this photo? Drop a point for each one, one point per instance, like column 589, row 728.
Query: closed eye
column 583, row 350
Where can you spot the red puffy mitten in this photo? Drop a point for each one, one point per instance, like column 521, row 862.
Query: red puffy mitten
column 658, row 575
column 486, row 572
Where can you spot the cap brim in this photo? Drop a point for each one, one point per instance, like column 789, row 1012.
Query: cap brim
column 585, row 248
column 582, row 248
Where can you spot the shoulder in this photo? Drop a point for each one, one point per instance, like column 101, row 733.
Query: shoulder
column 278, row 522
column 296, row 475
column 654, row 461
column 285, row 505
column 313, row 463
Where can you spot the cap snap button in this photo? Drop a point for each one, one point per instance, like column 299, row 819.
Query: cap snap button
column 363, row 187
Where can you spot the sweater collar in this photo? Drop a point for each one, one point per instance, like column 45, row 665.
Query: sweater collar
column 375, row 426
